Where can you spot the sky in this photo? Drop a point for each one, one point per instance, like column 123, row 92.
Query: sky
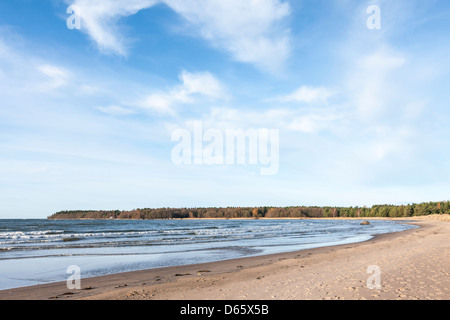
column 92, row 94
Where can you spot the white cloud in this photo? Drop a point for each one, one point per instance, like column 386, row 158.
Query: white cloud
column 193, row 88
column 160, row 103
column 386, row 143
column 99, row 18
column 58, row 76
column 116, row 110
column 202, row 83
column 309, row 95
column 291, row 120
column 250, row 31
column 312, row 123
column 373, row 84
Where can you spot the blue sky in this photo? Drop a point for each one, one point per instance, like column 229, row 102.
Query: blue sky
column 86, row 115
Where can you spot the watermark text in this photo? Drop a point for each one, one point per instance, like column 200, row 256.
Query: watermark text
column 228, row 147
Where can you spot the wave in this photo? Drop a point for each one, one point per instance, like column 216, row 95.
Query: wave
column 186, row 234
column 49, row 234
column 28, row 234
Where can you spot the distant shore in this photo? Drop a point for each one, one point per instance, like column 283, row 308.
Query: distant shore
column 266, row 218
column 413, row 264
column 261, row 218
column 293, row 212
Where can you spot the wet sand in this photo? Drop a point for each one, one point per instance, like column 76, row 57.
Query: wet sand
column 413, row 264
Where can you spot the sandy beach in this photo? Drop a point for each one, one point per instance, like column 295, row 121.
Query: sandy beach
column 408, row 265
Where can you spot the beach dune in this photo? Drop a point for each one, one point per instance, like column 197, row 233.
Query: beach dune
column 413, row 264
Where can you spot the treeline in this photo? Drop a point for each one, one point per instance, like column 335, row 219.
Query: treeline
column 393, row 211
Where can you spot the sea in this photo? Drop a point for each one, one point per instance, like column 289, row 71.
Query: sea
column 38, row 251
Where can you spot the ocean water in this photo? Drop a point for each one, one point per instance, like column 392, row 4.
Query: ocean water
column 40, row 251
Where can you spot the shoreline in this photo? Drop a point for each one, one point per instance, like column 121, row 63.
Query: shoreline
column 308, row 274
column 253, row 218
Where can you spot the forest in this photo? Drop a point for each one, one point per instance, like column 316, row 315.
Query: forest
column 392, row 211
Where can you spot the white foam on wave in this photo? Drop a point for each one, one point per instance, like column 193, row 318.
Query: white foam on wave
column 30, row 234
column 27, row 236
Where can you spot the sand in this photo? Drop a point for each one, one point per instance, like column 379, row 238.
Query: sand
column 407, row 265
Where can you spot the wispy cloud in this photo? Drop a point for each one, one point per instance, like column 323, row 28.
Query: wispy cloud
column 250, row 31
column 116, row 110
column 193, row 88
column 314, row 122
column 293, row 121
column 57, row 75
column 309, row 95
column 99, row 20
column 372, row 83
